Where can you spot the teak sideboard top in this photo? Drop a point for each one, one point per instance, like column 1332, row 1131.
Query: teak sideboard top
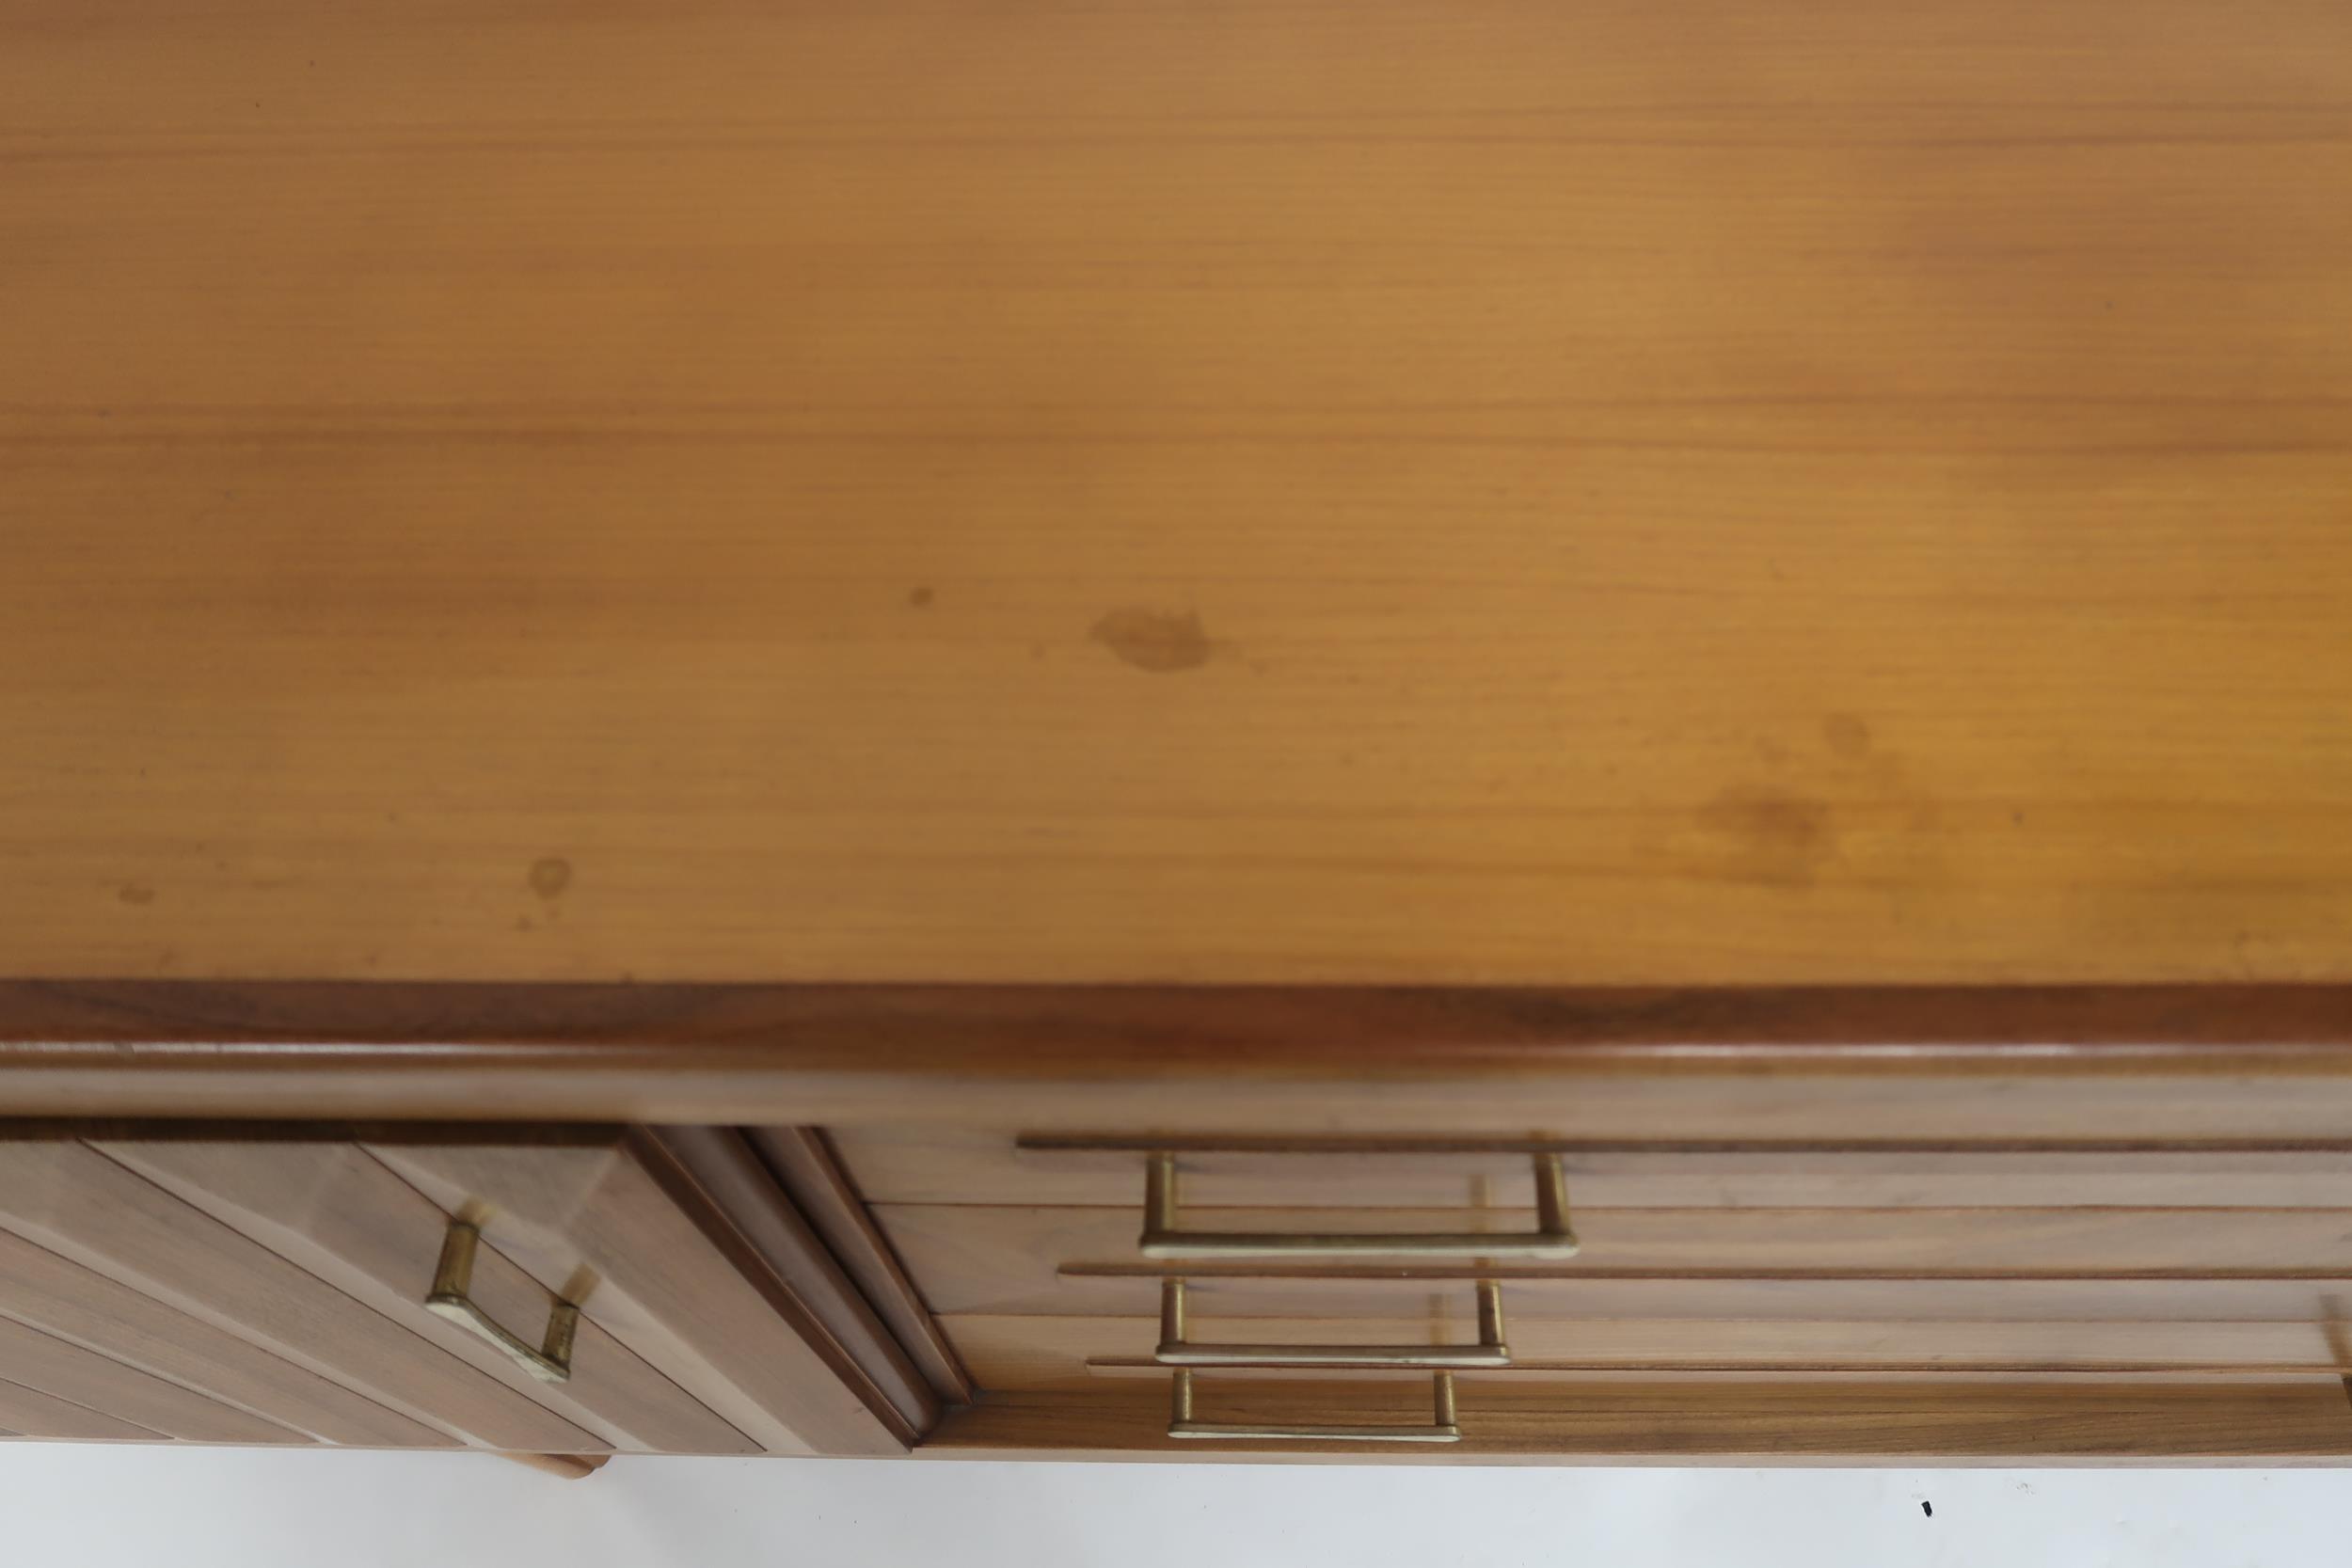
column 1396, row 493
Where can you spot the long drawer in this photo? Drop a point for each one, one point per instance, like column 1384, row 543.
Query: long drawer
column 1082, row 1261
column 931, row 1166
column 1031, row 1352
column 1682, row 1421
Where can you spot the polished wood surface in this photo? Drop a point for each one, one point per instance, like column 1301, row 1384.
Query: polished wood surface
column 871, row 490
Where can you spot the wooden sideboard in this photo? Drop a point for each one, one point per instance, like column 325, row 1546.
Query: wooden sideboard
column 682, row 682
column 2026, row 1226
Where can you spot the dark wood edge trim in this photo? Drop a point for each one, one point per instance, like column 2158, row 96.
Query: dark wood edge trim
column 671, row 1174
column 801, row 1055
column 1051, row 1031
column 805, row 1163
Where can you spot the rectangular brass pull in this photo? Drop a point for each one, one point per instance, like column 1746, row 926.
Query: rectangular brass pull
column 1163, row 1237
column 552, row 1362
column 1175, row 1349
column 1443, row 1427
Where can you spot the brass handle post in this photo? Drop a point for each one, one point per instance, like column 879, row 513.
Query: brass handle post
column 550, row 1362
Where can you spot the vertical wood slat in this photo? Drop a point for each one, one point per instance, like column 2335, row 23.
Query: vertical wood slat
column 70, row 1371
column 806, row 1162
column 62, row 1298
column 838, row 1316
column 30, row 1412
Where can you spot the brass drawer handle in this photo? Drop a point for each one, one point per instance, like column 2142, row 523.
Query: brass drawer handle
column 1442, row 1427
column 551, row 1363
column 1163, row 1238
column 1177, row 1351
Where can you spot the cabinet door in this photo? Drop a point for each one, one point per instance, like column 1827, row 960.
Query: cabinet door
column 342, row 1214
column 621, row 1226
column 272, row 1286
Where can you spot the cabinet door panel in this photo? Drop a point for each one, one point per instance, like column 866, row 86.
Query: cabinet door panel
column 60, row 1297
column 690, row 1298
column 342, row 1214
column 74, row 1200
column 30, row 1413
column 69, row 1372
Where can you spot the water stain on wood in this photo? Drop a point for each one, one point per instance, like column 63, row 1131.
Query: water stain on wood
column 1158, row 640
column 135, row 893
column 550, row 876
column 1848, row 733
column 1768, row 836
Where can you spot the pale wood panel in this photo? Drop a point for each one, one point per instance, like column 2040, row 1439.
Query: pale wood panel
column 973, row 1259
column 662, row 1285
column 731, row 1174
column 1388, row 492
column 69, row 1372
column 1682, row 1421
column 74, row 1200
column 335, row 1211
column 804, row 1158
column 950, row 1165
column 30, row 1412
column 68, row 1302
column 1011, row 1351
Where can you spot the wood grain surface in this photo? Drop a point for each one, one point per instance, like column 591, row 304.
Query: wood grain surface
column 1020, row 1350
column 1084, row 1261
column 1882, row 1420
column 894, row 489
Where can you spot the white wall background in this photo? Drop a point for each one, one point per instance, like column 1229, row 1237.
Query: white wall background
column 99, row 1508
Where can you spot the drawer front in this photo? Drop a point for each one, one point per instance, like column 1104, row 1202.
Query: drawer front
column 561, row 1293
column 1028, row 1351
column 1710, row 1266
column 1874, row 1420
column 928, row 1166
column 1084, row 1261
